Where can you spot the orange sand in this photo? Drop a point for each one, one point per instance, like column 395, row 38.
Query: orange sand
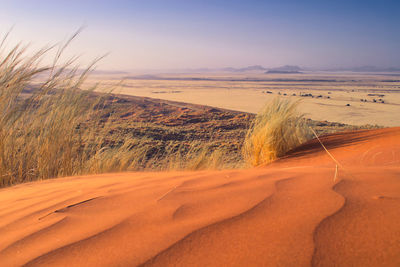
column 290, row 213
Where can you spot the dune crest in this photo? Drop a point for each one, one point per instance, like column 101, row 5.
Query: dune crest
column 290, row 213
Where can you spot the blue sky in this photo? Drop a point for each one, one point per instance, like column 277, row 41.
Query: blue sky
column 171, row 34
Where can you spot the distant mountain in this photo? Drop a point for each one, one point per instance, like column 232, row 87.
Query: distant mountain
column 253, row 68
column 285, row 69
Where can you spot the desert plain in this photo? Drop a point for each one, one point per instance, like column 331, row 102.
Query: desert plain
column 372, row 98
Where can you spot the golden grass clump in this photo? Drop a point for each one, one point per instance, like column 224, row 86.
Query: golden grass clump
column 277, row 129
column 40, row 133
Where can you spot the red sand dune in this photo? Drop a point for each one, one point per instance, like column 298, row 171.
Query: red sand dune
column 290, row 213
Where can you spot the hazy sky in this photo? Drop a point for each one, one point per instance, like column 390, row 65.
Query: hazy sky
column 168, row 34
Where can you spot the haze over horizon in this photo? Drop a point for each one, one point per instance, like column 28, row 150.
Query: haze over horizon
column 177, row 34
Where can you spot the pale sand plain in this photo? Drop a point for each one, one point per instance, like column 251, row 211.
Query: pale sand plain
column 290, row 213
column 248, row 93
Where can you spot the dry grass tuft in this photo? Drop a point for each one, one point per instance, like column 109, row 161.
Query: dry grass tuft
column 277, row 129
column 40, row 133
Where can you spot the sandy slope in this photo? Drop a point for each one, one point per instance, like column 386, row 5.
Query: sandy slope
column 291, row 213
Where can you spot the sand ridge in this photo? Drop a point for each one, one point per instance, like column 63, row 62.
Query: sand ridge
column 291, row 212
